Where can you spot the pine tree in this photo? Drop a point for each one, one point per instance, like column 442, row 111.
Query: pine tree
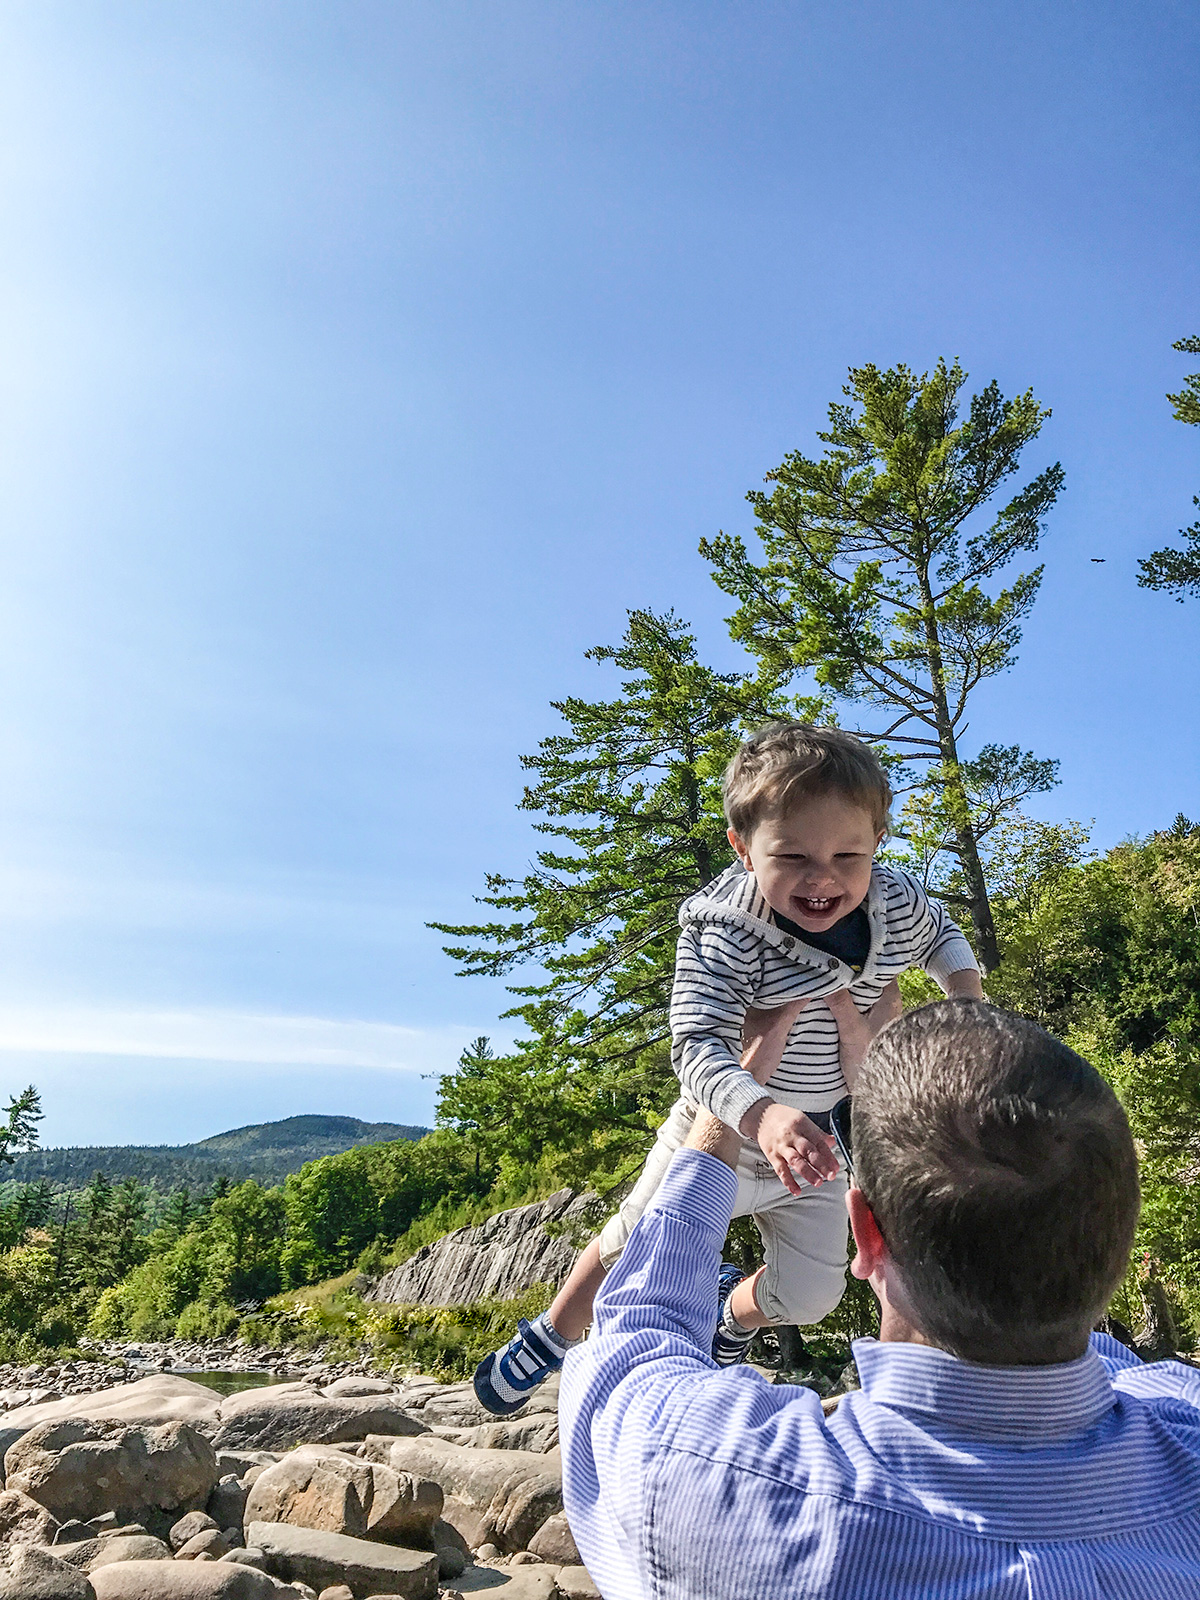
column 1178, row 570
column 630, row 794
column 872, row 581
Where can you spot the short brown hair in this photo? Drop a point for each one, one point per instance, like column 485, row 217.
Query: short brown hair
column 787, row 762
column 1001, row 1171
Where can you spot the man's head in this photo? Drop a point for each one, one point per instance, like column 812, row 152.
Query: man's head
column 1000, row 1172
column 807, row 808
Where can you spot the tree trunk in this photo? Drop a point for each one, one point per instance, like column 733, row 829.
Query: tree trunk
column 986, row 943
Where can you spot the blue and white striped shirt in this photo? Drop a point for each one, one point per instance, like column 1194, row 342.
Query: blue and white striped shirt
column 940, row 1480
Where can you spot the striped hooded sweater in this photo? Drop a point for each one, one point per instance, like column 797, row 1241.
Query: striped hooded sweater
column 731, row 956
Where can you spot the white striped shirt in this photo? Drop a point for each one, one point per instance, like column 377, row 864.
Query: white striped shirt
column 731, row 956
column 939, row 1480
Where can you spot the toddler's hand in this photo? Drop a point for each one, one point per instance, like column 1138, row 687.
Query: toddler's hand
column 794, row 1146
column 764, row 1035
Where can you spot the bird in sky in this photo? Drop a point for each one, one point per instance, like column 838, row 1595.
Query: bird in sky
column 1100, row 560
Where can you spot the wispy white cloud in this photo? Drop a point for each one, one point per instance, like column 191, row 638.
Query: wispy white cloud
column 217, row 1035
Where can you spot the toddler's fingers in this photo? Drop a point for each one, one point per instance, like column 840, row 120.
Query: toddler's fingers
column 784, row 1173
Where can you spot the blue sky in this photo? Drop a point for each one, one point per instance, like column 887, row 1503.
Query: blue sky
column 364, row 361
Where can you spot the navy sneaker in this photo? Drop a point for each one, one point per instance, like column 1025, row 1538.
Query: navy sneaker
column 505, row 1380
column 728, row 1347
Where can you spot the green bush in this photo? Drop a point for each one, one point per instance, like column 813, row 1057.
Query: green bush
column 202, row 1320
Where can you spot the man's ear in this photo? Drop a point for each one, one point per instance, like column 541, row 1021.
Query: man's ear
column 869, row 1242
column 742, row 849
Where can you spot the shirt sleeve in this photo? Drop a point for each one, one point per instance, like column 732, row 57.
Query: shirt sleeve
column 712, row 990
column 646, row 1358
column 941, row 945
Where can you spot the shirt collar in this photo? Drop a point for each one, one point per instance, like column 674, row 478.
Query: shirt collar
column 1027, row 1405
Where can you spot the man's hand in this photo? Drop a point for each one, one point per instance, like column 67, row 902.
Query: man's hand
column 764, row 1035
column 794, row 1146
column 857, row 1028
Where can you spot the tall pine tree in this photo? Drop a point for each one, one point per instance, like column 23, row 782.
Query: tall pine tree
column 872, row 579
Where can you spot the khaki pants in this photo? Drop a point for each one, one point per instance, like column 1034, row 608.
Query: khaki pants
column 804, row 1236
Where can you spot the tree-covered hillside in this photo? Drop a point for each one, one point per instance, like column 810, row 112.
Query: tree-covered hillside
column 264, row 1150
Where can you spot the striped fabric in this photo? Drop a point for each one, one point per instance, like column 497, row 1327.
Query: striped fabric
column 731, row 956
column 939, row 1481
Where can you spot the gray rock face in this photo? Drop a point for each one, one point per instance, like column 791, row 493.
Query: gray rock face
column 287, row 1414
column 512, row 1492
column 77, row 1468
column 504, row 1256
column 327, row 1559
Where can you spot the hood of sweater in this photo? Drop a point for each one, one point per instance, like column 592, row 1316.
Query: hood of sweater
column 734, row 900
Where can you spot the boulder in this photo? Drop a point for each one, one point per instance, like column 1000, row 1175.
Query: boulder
column 535, row 1430
column 287, row 1414
column 211, row 1542
column 184, row 1580
column 499, row 1259
column 554, row 1541
column 127, row 1547
column 340, row 1591
column 78, row 1468
column 147, row 1403
column 327, row 1559
column 453, row 1551
column 33, row 1574
column 330, row 1491
column 24, row 1521
column 248, row 1556
column 189, row 1526
column 227, row 1502
column 514, row 1491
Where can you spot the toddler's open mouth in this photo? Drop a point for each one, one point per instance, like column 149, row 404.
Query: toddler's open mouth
column 817, row 905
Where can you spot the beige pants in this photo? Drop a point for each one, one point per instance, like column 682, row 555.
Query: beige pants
column 804, row 1236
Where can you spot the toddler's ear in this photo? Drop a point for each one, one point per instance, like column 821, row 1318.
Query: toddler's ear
column 742, row 849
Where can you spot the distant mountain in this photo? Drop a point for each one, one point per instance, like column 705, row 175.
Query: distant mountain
column 265, row 1150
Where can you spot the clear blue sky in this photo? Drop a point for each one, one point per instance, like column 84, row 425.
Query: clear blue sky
column 362, row 362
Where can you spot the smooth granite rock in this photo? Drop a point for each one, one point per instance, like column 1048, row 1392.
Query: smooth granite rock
column 80, row 1468
column 514, row 1491
column 185, row 1580
column 282, row 1415
column 326, row 1559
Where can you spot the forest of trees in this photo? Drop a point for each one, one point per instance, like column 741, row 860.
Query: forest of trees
column 878, row 595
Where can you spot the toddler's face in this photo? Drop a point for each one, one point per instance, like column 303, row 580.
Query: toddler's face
column 813, row 865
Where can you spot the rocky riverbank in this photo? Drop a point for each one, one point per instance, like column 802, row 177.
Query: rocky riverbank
column 333, row 1487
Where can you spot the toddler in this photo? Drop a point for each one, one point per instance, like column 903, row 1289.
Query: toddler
column 785, row 969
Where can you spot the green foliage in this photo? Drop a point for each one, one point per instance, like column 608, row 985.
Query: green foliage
column 1178, row 570
column 872, row 580
column 630, row 794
